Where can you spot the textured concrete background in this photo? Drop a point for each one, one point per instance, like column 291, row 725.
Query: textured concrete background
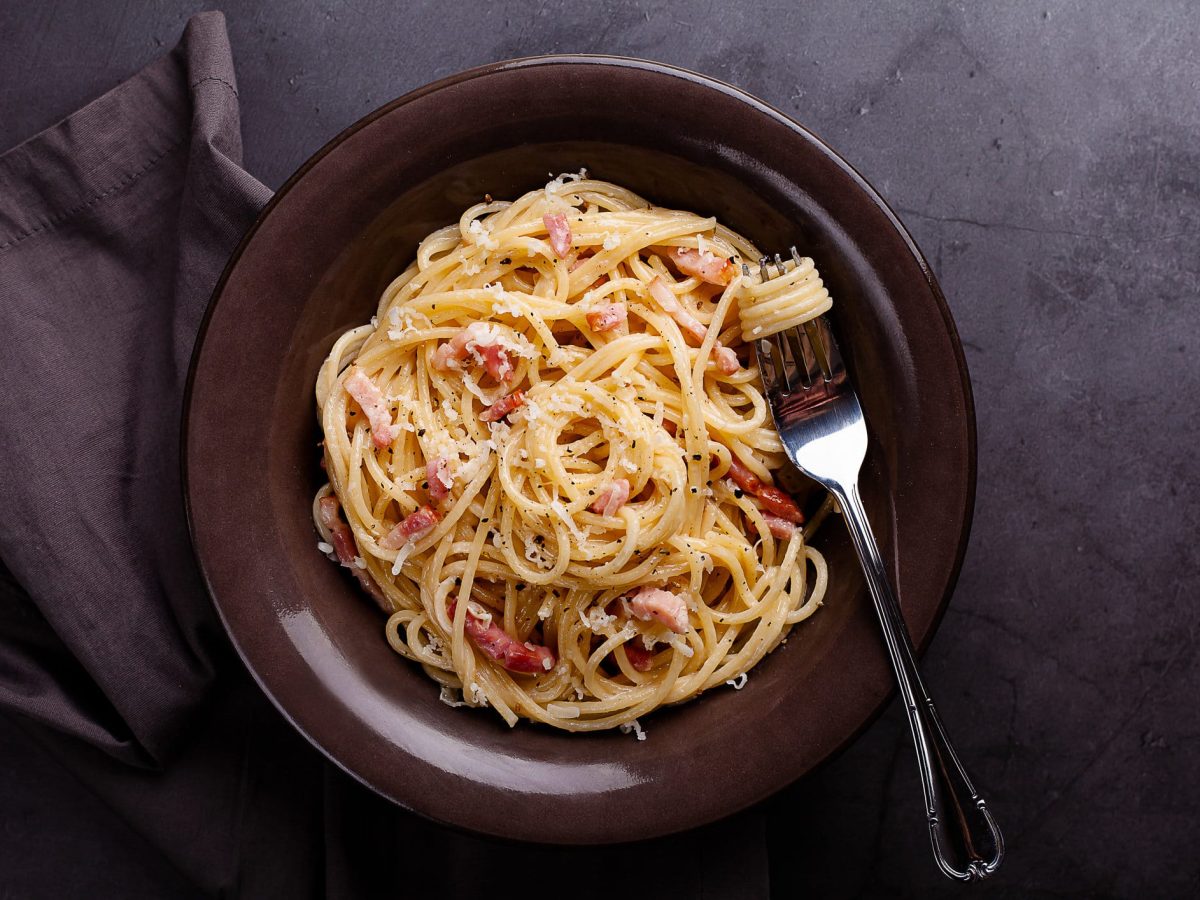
column 1046, row 157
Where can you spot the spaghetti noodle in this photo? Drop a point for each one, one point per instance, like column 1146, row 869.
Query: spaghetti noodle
column 554, row 468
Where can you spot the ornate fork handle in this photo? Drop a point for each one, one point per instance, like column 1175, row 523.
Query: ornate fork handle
column 966, row 840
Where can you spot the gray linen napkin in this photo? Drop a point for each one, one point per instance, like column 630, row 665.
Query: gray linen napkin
column 114, row 226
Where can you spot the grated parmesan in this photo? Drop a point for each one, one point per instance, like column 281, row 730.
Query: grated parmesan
column 446, row 695
column 481, row 236
column 324, row 547
column 634, row 727
column 478, row 697
column 561, row 512
column 401, row 555
column 599, row 619
column 679, row 642
column 738, row 683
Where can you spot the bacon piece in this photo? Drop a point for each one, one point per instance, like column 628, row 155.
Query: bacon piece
column 611, row 498
column 447, row 357
column 635, row 650
column 607, row 316
column 347, row 550
column 412, row 528
column 639, row 657
column 726, row 360
column 496, row 362
column 771, row 498
column 475, row 340
column 663, row 606
column 779, row 527
column 503, row 406
column 706, row 266
column 438, row 477
column 580, row 258
column 379, row 414
column 780, row 503
column 560, row 233
column 496, row 643
column 743, row 477
column 670, row 304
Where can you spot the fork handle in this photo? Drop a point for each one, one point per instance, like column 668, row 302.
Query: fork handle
column 967, row 843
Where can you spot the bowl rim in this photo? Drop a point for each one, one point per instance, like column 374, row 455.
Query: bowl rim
column 699, row 79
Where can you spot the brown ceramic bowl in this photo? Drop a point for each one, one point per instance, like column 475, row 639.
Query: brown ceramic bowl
column 315, row 263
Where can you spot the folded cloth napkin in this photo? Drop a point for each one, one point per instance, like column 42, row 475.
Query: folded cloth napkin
column 114, row 227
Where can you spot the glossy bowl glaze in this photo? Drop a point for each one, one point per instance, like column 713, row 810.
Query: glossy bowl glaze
column 315, row 263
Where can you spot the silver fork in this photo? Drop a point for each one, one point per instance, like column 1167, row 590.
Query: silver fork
column 817, row 413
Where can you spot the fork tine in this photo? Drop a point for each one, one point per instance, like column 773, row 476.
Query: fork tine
column 795, row 255
column 766, row 365
column 803, row 360
column 828, row 355
column 812, row 359
column 780, row 356
column 779, row 269
column 762, row 268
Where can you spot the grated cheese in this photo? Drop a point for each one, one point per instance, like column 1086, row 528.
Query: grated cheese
column 478, row 697
column 480, row 235
column 324, row 547
column 401, row 555
column 738, row 683
column 679, row 642
column 446, row 695
column 596, row 620
column 561, row 512
column 563, row 710
column 634, row 727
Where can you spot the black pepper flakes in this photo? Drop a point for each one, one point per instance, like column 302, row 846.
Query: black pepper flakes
column 739, row 493
column 697, row 457
column 420, row 432
column 424, row 485
column 695, row 490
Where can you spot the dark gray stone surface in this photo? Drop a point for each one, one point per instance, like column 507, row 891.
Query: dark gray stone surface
column 1047, row 159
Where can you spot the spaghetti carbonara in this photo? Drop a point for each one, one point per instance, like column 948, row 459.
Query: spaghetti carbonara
column 551, row 463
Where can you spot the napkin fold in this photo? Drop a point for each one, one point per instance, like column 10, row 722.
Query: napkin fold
column 114, row 226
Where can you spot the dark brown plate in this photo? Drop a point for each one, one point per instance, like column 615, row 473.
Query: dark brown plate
column 315, row 263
